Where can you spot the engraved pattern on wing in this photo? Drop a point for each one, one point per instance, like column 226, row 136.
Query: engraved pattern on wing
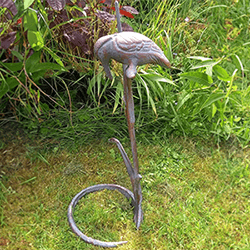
column 155, row 48
column 133, row 47
column 132, row 44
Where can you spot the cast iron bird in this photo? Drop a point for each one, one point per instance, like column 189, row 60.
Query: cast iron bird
column 129, row 48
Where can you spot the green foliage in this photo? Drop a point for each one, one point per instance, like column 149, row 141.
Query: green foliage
column 37, row 42
column 207, row 103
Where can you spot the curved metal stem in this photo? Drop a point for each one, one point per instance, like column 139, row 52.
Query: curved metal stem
column 125, row 158
column 128, row 95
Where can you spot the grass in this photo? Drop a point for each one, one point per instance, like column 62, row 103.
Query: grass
column 196, row 196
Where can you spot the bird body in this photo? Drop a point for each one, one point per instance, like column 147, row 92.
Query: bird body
column 129, row 48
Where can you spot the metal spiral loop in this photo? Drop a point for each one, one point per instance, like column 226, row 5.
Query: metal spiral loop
column 127, row 193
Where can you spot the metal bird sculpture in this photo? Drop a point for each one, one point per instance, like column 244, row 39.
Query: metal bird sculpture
column 131, row 49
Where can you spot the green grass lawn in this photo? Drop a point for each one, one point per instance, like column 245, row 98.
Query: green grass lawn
column 196, row 196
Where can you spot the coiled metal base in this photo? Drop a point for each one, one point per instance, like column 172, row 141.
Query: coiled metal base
column 127, row 193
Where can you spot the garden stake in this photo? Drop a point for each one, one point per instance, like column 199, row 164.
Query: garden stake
column 131, row 49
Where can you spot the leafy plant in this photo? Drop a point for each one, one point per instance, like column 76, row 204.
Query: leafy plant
column 41, row 40
column 207, row 101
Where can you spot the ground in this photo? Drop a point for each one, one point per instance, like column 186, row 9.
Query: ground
column 196, row 195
